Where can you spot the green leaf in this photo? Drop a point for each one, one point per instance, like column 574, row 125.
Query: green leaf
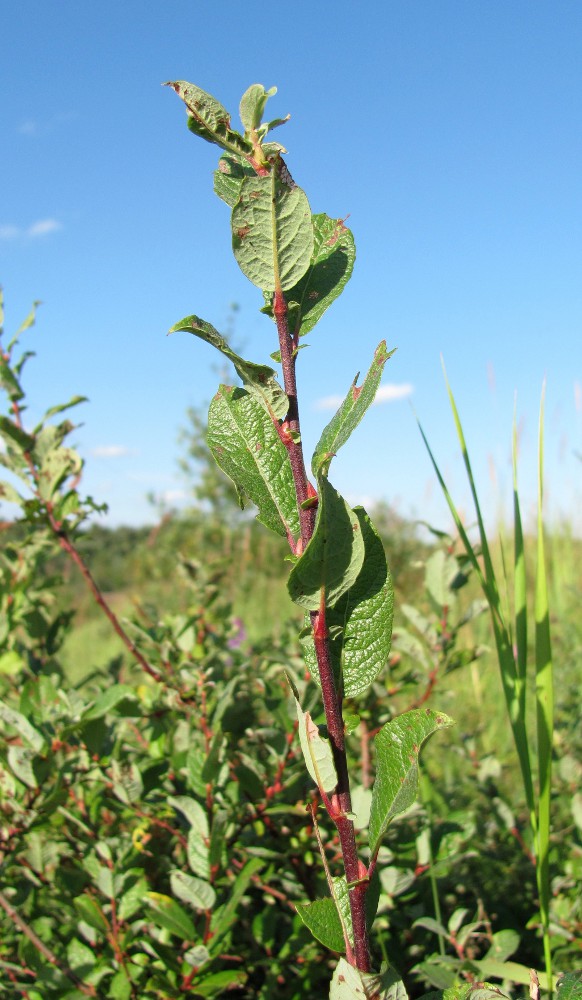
column 348, row 983
column 360, row 624
column 74, row 401
column 259, row 380
column 132, row 900
column 503, row 944
column 513, row 971
column 9, row 382
column 9, row 495
column 208, row 119
column 224, row 916
column 18, row 722
column 59, row 464
column 330, row 269
column 247, row 447
column 90, row 911
column 349, row 414
column 198, row 854
column 195, row 891
column 120, row 987
column 468, row 991
column 322, row 919
column 21, row 761
column 120, row 698
column 272, row 234
column 15, row 434
column 193, row 811
column 228, row 178
column 334, row 556
column 317, row 751
column 218, row 983
column 252, row 105
column 440, row 572
column 570, row 986
column 398, row 747
column 169, row 914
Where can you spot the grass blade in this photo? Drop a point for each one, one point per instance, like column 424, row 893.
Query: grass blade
column 544, row 708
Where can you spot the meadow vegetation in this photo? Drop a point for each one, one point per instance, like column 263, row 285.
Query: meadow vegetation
column 170, row 820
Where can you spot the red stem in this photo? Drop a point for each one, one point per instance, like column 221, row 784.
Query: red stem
column 341, row 800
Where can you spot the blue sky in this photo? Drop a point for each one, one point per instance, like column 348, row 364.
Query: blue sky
column 449, row 131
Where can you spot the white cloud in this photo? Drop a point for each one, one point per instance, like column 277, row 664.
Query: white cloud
column 171, row 496
column 28, row 127
column 9, row 232
column 386, row 394
column 42, row 227
column 110, row 451
column 391, row 391
column 32, row 127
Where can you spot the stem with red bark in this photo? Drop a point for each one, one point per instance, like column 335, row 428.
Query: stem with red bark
column 341, row 799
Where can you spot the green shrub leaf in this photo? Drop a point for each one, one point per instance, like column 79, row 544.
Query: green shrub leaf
column 248, row 449
column 398, row 747
column 228, row 178
column 317, row 751
column 330, row 269
column 252, row 105
column 349, row 414
column 208, row 119
column 272, row 234
column 259, row 380
column 195, row 891
column 169, row 914
column 322, row 919
column 360, row 624
column 334, row 556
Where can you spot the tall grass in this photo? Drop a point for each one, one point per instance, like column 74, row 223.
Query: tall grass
column 510, row 630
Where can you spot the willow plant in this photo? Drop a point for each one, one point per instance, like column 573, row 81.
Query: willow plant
column 301, row 262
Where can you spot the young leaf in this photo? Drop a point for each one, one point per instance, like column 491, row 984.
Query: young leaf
column 333, row 558
column 209, row 119
column 329, row 271
column 272, row 234
column 398, row 747
column 349, row 414
column 247, row 447
column 316, row 749
column 252, row 105
column 259, row 380
column 360, row 624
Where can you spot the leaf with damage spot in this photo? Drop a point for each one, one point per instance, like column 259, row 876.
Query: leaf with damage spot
column 259, row 380
column 398, row 747
column 347, row 418
column 208, row 119
column 247, row 447
column 333, row 558
column 329, row 271
column 348, row 983
column 360, row 624
column 228, row 178
column 272, row 234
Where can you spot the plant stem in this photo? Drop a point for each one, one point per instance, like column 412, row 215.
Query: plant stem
column 341, row 800
column 69, row 547
column 40, row 946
